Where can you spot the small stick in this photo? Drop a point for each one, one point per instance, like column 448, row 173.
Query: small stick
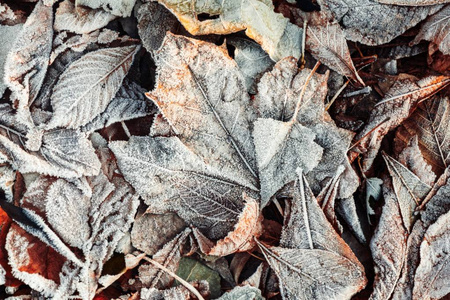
column 336, row 95
column 181, row 280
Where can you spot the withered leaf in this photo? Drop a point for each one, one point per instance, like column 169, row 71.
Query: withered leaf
column 27, row 61
column 277, row 98
column 373, row 190
column 398, row 103
column 252, row 61
column 63, row 153
column 128, row 103
column 80, row 19
column 409, row 189
column 169, row 256
column 276, row 35
column 430, row 122
column 170, row 177
column 412, row 158
column 435, row 29
column 314, row 273
column 122, row 8
column 433, row 272
column 154, row 20
column 206, row 104
column 374, row 23
column 326, row 42
column 247, row 228
column 87, row 86
column 103, row 213
column 388, row 246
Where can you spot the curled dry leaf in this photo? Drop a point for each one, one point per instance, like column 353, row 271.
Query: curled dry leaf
column 87, row 86
column 435, row 29
column 374, row 23
column 247, row 228
column 431, row 123
column 276, row 35
column 27, row 61
column 79, row 19
column 398, row 104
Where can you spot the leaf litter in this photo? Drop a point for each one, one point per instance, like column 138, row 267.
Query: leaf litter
column 224, row 150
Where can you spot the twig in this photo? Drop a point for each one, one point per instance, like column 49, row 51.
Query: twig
column 181, row 280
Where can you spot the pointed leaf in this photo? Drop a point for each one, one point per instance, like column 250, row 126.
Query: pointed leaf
column 87, row 86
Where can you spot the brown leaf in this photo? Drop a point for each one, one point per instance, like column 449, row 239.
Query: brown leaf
column 276, row 35
column 435, row 29
column 398, row 104
column 430, row 122
column 241, row 239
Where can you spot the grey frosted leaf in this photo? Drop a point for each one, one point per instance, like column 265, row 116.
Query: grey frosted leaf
column 281, row 148
column 129, row 103
column 433, row 272
column 27, row 61
column 412, row 158
column 435, row 29
column 413, row 2
column 307, row 227
column 399, row 103
column 431, row 123
column 276, row 35
column 202, row 94
column 348, row 211
column 252, row 61
column 171, row 178
column 80, row 19
column 169, row 256
column 162, row 229
column 154, row 20
column 314, row 274
column 438, row 205
column 71, row 150
column 242, row 293
column 278, row 95
column 8, row 34
column 88, row 85
column 409, row 189
column 388, row 246
column 358, row 19
column 326, row 42
column 122, row 8
column 51, row 78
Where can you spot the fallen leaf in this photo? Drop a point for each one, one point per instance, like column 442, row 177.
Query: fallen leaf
column 398, row 104
column 276, row 35
column 429, row 122
column 27, row 61
column 413, row 2
column 433, row 271
column 80, row 19
column 77, row 103
column 9, row 34
column 374, row 23
column 435, row 29
column 242, row 293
